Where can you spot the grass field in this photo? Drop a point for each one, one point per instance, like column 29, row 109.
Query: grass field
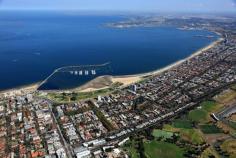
column 202, row 115
column 161, row 133
column 77, row 96
column 191, row 135
column 156, row 149
column 230, row 147
column 209, row 106
column 180, row 123
column 170, row 128
column 198, row 115
column 210, row 129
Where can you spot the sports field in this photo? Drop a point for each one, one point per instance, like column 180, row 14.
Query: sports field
column 156, row 149
column 198, row 115
column 202, row 115
column 181, row 123
column 162, row 134
column 192, row 136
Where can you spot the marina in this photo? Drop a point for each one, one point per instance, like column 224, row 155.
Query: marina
column 118, row 79
column 86, row 72
column 76, row 72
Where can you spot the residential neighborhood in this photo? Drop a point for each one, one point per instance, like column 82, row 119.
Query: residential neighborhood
column 32, row 125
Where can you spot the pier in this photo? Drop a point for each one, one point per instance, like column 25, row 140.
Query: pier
column 80, row 70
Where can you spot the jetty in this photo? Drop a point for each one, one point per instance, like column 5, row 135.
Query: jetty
column 78, row 70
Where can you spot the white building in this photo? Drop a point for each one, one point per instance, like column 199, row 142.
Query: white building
column 82, row 152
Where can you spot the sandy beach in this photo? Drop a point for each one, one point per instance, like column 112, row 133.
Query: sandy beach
column 103, row 82
column 131, row 79
column 125, row 80
column 18, row 90
column 183, row 60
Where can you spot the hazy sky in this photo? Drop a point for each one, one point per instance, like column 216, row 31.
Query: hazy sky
column 125, row 5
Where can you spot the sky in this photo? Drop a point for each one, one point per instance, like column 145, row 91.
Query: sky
column 125, row 5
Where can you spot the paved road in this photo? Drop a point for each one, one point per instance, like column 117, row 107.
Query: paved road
column 226, row 112
column 67, row 147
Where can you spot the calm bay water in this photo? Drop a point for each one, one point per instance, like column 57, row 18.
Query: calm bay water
column 33, row 44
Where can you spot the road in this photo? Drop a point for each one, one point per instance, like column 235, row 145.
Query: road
column 67, row 147
column 226, row 112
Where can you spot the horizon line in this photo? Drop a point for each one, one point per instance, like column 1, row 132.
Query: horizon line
column 114, row 10
column 117, row 11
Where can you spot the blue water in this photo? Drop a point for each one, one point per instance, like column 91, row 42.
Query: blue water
column 33, row 44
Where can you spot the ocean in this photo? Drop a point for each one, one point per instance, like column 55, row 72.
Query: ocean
column 34, row 44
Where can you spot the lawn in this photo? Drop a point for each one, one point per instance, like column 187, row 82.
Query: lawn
column 156, row 149
column 209, row 106
column 170, row 128
column 198, row 115
column 161, row 133
column 202, row 115
column 180, row 123
column 73, row 97
column 210, row 129
column 191, row 135
column 86, row 95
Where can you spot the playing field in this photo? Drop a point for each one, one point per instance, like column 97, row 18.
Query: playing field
column 74, row 97
column 198, row 115
column 202, row 115
column 188, row 134
column 180, row 123
column 191, row 135
column 209, row 106
column 162, row 134
column 155, row 149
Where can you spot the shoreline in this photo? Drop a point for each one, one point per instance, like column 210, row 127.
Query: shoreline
column 124, row 79
column 29, row 88
column 196, row 53
column 131, row 79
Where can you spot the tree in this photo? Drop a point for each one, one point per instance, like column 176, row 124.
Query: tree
column 73, row 98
